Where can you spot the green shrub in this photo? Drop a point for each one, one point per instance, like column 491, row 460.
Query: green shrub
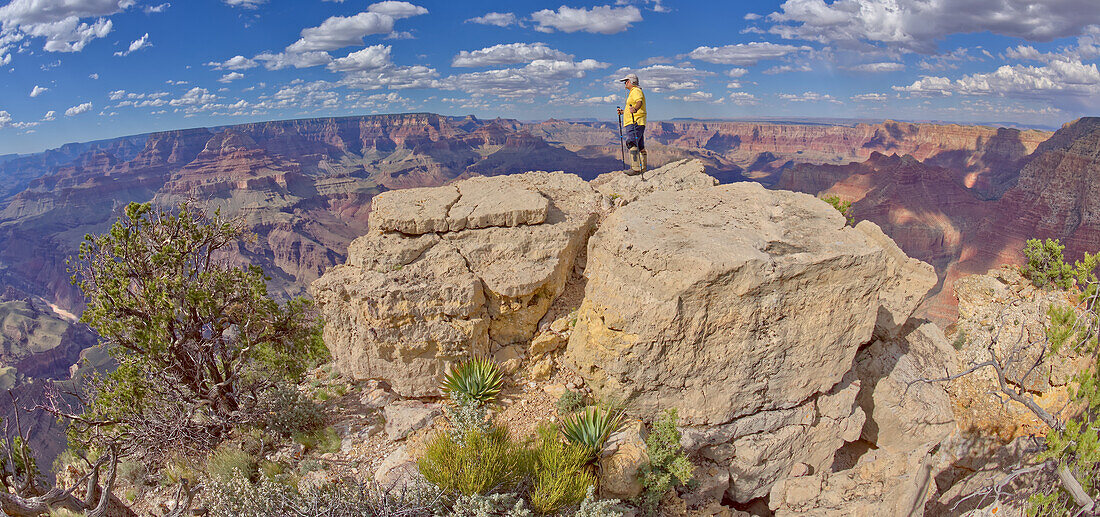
column 960, row 340
column 227, row 461
column 284, row 410
column 844, row 207
column 177, row 468
column 570, row 402
column 559, row 477
column 593, row 507
column 322, row 440
column 591, row 427
column 668, row 465
column 1046, row 266
column 479, row 379
column 481, row 462
column 492, row 505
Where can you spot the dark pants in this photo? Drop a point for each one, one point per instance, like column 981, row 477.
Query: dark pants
column 635, row 136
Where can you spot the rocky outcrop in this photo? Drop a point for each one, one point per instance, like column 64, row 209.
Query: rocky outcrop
column 686, row 288
column 717, row 300
column 720, row 300
column 405, row 306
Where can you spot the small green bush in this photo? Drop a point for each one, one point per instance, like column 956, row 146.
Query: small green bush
column 286, row 411
column 322, row 441
column 591, row 427
column 1046, row 266
column 570, row 402
column 481, row 462
column 492, row 505
column 844, row 207
column 559, row 476
column 227, row 461
column 176, row 469
column 479, row 379
column 960, row 340
column 668, row 465
column 593, row 507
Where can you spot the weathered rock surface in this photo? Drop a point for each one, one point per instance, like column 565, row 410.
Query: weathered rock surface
column 397, row 470
column 405, row 417
column 678, row 175
column 904, row 413
column 882, row 483
column 474, row 203
column 760, row 449
column 404, row 307
column 625, row 454
column 720, row 300
column 1004, row 310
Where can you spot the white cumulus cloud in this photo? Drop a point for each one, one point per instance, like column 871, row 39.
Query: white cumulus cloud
column 247, row 4
column 78, row 109
column 917, row 25
column 743, row 54
column 878, row 67
column 1064, row 83
column 230, row 77
column 397, row 10
column 663, row 78
column 237, row 62
column 370, row 58
column 508, row 54
column 603, row 19
column 38, row 90
column 136, row 45
column 495, row 18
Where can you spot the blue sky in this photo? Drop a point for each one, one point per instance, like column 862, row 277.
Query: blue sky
column 79, row 70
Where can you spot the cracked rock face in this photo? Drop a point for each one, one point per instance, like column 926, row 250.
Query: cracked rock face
column 474, row 203
column 720, row 301
column 452, row 272
column 744, row 308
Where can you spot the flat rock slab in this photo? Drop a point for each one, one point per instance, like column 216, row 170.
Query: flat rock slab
column 470, row 204
column 405, row 417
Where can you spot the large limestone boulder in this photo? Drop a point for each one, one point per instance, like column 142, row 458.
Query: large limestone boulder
column 442, row 277
column 908, row 281
column 474, row 203
column 725, row 301
column 745, row 309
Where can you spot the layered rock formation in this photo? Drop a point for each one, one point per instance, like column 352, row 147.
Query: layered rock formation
column 448, row 271
column 744, row 308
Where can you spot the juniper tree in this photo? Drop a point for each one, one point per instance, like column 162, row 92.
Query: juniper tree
column 196, row 337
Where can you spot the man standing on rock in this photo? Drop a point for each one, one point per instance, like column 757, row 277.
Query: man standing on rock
column 634, row 123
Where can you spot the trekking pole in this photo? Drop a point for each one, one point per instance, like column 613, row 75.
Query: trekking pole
column 622, row 146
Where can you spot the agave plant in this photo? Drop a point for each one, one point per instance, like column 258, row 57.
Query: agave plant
column 477, row 379
column 592, row 426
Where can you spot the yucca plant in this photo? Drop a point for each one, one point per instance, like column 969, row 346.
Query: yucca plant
column 476, row 379
column 591, row 427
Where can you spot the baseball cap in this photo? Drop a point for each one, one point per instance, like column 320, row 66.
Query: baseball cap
column 630, row 77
